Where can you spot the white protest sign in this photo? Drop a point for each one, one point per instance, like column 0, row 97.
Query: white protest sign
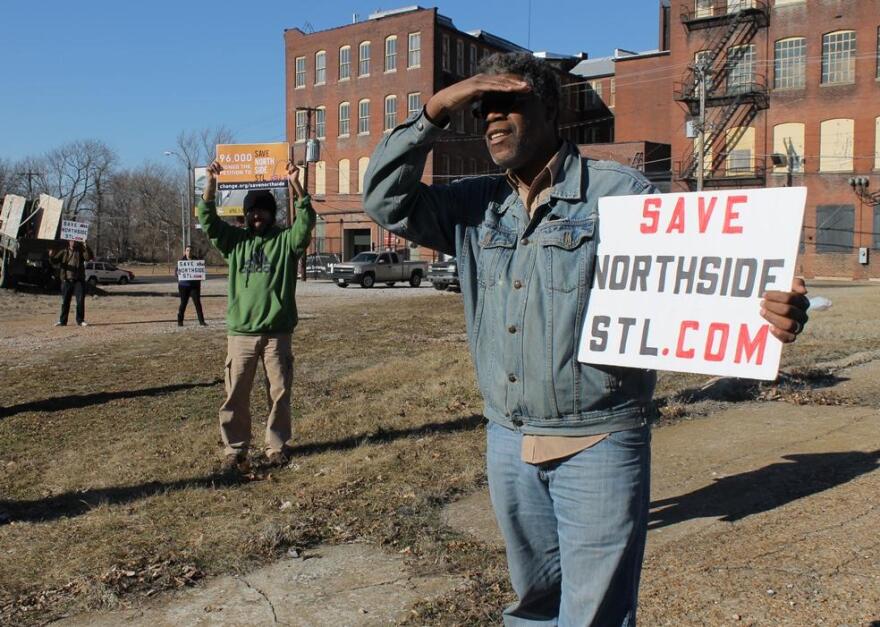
column 12, row 212
column 76, row 231
column 191, row 270
column 51, row 207
column 679, row 279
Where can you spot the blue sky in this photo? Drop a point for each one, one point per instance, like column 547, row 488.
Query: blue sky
column 135, row 74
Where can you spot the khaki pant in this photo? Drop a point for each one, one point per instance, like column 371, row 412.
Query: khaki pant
column 242, row 354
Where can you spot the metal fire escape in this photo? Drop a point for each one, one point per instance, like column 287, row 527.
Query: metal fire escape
column 734, row 92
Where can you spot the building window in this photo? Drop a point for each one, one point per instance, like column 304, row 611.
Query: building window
column 300, row 79
column 321, row 122
column 344, row 176
column 785, row 135
column 790, row 60
column 444, row 165
column 363, row 117
column 344, row 117
column 391, row 53
column 459, row 57
column 594, row 96
column 320, row 67
column 344, row 63
column 413, row 103
column 320, row 178
column 836, row 145
column 459, row 168
column 301, row 121
column 839, row 57
column 472, row 60
column 876, row 227
column 459, row 123
column 878, row 52
column 613, row 93
column 363, row 164
column 877, row 143
column 414, row 56
column 472, row 166
column 834, row 228
column 741, row 68
column 703, row 8
column 364, row 59
column 444, row 54
column 390, row 112
column 738, row 5
column 741, row 151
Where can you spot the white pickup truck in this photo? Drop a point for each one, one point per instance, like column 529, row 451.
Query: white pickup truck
column 369, row 268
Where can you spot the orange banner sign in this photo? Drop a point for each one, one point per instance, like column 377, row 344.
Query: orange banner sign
column 252, row 166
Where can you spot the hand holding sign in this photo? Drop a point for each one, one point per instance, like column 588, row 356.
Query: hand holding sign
column 786, row 311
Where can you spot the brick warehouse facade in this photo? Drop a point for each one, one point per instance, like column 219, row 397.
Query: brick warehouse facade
column 798, row 75
column 413, row 53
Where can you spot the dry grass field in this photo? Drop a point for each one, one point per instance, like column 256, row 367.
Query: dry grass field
column 109, row 442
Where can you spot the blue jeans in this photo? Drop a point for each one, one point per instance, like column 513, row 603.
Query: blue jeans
column 574, row 528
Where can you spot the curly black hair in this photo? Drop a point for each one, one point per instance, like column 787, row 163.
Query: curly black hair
column 540, row 75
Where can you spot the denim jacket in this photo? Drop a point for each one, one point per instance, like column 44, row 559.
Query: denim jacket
column 525, row 283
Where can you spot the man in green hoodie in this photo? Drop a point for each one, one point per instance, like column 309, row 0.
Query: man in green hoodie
column 261, row 311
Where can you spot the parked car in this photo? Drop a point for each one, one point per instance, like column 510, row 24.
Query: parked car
column 106, row 272
column 443, row 275
column 318, row 265
column 368, row 268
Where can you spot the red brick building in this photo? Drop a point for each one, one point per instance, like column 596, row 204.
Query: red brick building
column 798, row 79
column 362, row 80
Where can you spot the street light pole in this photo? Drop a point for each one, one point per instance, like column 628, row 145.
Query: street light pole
column 185, row 220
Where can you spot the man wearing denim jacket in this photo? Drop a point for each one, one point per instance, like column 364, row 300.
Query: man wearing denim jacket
column 568, row 444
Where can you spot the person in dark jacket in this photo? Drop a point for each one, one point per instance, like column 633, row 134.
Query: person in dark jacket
column 72, row 262
column 189, row 288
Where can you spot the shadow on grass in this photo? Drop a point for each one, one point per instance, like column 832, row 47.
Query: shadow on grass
column 735, row 497
column 77, row 401
column 77, row 503
column 465, row 423
column 72, row 504
column 186, row 323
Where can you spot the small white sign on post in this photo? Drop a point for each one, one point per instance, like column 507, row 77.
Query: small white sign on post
column 76, row 231
column 191, row 270
column 679, row 279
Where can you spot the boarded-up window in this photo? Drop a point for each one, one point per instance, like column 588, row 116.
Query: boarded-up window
column 741, row 151
column 836, row 146
column 877, row 144
column 792, row 132
column 320, row 178
column 363, row 162
column 344, row 177
column 834, row 228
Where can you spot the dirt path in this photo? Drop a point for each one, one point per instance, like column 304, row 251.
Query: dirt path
column 762, row 514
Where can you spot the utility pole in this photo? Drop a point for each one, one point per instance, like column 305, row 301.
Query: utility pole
column 305, row 165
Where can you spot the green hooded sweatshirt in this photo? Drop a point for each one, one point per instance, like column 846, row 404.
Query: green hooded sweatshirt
column 262, row 269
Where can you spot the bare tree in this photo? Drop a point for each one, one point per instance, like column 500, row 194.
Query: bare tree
column 77, row 171
column 143, row 213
